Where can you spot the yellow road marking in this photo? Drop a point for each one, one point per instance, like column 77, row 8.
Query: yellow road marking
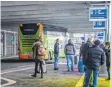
column 80, row 82
column 10, row 82
column 101, row 81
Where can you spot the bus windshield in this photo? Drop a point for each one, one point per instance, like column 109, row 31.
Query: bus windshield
column 29, row 29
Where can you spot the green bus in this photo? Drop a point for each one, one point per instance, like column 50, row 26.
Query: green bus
column 27, row 33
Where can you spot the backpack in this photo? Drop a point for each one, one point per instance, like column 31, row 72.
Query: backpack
column 41, row 50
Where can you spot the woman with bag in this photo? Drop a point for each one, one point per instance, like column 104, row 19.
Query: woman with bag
column 40, row 54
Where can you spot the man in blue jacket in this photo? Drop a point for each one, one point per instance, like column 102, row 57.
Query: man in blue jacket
column 56, row 54
column 96, row 58
column 70, row 53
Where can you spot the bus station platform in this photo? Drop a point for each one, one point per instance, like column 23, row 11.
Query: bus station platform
column 71, row 31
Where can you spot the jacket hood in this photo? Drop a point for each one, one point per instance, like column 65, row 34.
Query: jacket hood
column 69, row 41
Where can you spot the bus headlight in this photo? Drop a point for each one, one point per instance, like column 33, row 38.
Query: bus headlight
column 21, row 25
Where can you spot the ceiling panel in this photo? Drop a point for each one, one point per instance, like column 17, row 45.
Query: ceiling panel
column 70, row 14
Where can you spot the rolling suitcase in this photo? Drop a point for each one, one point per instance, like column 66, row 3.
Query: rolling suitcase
column 44, row 67
column 80, row 65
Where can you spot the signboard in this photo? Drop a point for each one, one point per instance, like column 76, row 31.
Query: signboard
column 98, row 13
column 101, row 36
column 99, row 25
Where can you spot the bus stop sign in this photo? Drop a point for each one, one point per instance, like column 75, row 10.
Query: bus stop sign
column 98, row 13
column 99, row 25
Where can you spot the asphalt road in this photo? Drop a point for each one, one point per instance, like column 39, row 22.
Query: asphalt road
column 21, row 71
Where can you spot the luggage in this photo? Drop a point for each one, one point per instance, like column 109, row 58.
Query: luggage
column 80, row 65
column 44, row 67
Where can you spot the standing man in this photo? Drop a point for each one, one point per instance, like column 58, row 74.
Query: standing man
column 81, row 49
column 56, row 54
column 96, row 58
column 107, row 51
column 70, row 52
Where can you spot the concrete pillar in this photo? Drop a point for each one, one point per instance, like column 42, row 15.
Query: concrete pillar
column 4, row 44
column 15, row 52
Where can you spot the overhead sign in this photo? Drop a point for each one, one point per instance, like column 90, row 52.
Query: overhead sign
column 54, row 33
column 83, row 38
column 101, row 36
column 98, row 13
column 99, row 25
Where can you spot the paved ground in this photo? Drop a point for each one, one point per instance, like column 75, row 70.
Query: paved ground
column 19, row 73
column 4, row 81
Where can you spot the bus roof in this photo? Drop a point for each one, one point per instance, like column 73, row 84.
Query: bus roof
column 52, row 27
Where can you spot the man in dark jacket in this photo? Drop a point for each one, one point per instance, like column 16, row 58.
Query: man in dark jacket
column 81, row 49
column 56, row 54
column 70, row 52
column 96, row 58
column 84, row 50
column 107, row 51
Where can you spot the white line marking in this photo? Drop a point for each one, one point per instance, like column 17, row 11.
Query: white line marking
column 9, row 57
column 16, row 70
column 23, row 68
column 62, row 63
column 10, row 82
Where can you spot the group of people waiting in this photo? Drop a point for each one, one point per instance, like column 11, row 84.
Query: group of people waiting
column 93, row 56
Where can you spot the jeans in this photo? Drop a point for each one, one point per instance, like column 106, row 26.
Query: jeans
column 56, row 61
column 70, row 58
column 108, row 70
column 88, row 76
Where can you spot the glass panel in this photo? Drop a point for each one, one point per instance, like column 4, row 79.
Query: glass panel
column 2, row 42
column 9, row 44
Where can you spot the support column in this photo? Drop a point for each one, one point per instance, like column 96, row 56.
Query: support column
column 4, row 44
column 14, row 44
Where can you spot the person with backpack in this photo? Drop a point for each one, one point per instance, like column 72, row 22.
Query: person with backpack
column 39, row 55
column 84, row 52
column 34, row 50
column 107, row 51
column 95, row 58
column 69, row 51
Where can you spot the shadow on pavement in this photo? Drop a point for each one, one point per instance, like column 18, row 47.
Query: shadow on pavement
column 17, row 60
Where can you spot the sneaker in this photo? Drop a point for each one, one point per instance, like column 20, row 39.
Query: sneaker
column 108, row 79
column 91, row 86
column 41, row 76
column 33, row 75
column 68, row 70
column 56, row 68
column 38, row 72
